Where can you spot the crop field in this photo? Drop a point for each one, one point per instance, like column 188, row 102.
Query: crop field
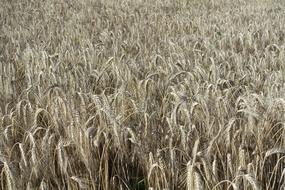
column 142, row 94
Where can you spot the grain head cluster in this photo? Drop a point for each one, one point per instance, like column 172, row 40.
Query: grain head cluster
column 135, row 95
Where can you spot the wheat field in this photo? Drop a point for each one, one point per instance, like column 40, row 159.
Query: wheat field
column 142, row 95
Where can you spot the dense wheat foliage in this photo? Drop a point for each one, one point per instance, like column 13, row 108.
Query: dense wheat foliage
column 134, row 95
